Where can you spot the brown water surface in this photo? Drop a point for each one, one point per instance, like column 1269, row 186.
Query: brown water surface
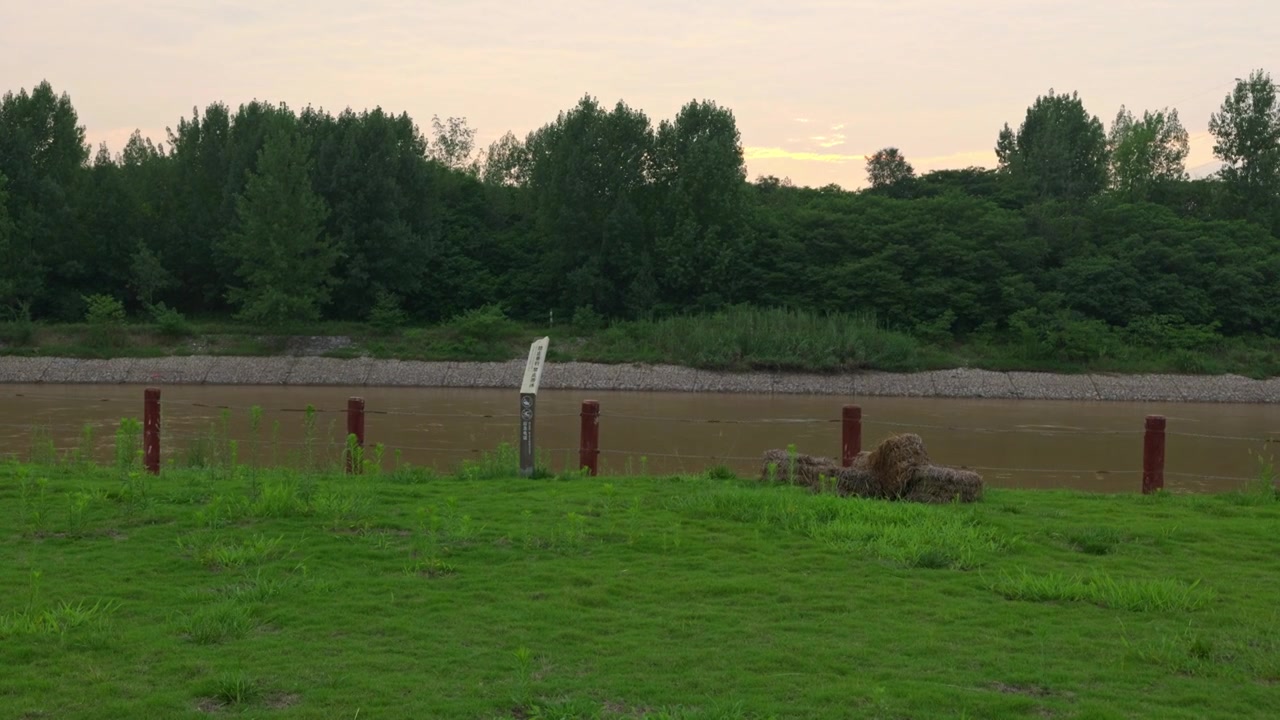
column 1015, row 443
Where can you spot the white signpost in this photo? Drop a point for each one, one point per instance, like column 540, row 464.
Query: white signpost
column 529, row 402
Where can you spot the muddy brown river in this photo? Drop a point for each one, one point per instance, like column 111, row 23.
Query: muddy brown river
column 1093, row 446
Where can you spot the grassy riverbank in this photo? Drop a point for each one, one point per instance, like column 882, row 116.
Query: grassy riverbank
column 737, row 339
column 233, row 591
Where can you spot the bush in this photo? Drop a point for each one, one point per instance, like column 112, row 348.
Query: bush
column 103, row 310
column 170, row 322
column 587, row 320
column 1066, row 336
column 386, row 314
column 1171, row 332
column 486, row 326
column 17, row 328
column 105, row 316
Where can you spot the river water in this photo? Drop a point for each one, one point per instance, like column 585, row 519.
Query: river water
column 1093, row 446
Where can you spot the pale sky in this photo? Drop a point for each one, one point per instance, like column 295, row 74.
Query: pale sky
column 815, row 84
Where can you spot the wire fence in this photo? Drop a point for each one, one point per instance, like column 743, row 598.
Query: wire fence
column 328, row 434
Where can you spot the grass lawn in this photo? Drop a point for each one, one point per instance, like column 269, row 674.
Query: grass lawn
column 277, row 594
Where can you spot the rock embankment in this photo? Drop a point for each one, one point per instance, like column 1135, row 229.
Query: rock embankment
column 959, row 383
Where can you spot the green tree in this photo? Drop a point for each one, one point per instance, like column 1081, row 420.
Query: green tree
column 1146, row 152
column 887, row 167
column 702, row 240
column 505, row 162
column 284, row 261
column 147, row 276
column 1059, row 150
column 7, row 284
column 43, row 154
column 589, row 189
column 1247, row 134
column 453, row 143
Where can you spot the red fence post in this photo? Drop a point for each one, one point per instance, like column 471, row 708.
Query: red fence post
column 589, row 442
column 851, row 434
column 151, row 430
column 355, row 426
column 1153, row 455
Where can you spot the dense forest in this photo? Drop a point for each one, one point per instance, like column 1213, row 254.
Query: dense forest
column 270, row 215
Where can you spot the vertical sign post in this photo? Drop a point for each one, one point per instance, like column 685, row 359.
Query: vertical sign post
column 529, row 402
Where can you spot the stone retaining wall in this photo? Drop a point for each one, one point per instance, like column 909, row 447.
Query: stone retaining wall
column 960, row 383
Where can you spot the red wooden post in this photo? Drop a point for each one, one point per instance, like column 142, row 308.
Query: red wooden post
column 851, row 434
column 355, row 426
column 1153, row 455
column 151, row 430
column 589, row 443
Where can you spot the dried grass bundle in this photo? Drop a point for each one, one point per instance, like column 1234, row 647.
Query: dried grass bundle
column 940, row 485
column 894, row 462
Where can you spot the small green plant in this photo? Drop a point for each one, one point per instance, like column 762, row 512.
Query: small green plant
column 84, row 452
column 1095, row 541
column 235, row 690
column 431, row 567
column 309, row 437
column 353, row 454
column 504, row 462
column 211, row 624
column 31, row 494
column 524, row 677
column 720, row 472
column 57, row 620
column 219, row 554
column 43, row 450
column 77, row 506
column 128, row 446
column 1147, row 595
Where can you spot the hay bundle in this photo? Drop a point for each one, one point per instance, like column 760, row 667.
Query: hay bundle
column 797, row 469
column 895, row 461
column 857, row 481
column 940, row 485
column 899, row 469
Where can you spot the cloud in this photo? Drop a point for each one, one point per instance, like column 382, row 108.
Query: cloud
column 802, row 120
column 838, row 127
column 777, row 153
column 829, row 141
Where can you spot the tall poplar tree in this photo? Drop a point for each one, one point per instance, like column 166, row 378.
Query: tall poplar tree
column 283, row 260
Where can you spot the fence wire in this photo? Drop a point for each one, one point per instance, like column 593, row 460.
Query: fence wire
column 330, row 443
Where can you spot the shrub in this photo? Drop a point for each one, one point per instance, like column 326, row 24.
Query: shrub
column 17, row 328
column 105, row 316
column 486, row 325
column 170, row 322
column 587, row 320
column 386, row 314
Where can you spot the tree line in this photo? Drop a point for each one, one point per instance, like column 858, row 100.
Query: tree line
column 274, row 215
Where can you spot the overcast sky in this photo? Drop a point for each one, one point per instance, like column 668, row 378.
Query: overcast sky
column 815, row 84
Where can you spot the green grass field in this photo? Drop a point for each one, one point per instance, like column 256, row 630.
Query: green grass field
column 232, row 592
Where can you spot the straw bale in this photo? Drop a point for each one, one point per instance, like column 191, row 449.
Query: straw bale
column 899, row 469
column 797, row 468
column 894, row 462
column 856, row 481
column 935, row 484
